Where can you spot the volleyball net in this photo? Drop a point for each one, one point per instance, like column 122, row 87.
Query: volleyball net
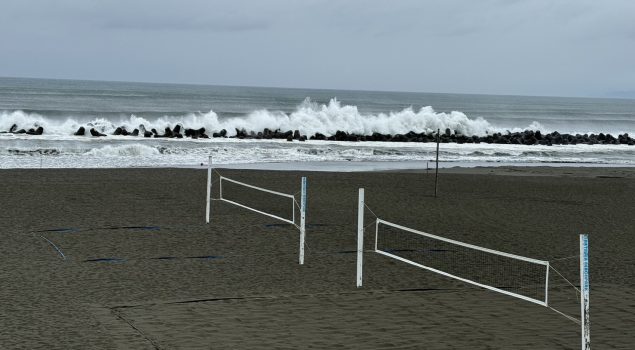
column 277, row 205
column 510, row 274
column 274, row 204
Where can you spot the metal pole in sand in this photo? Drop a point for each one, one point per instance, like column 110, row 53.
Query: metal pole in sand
column 209, row 188
column 584, row 292
column 436, row 176
column 302, row 218
column 360, row 236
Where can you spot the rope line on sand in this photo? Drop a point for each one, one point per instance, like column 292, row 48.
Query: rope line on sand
column 284, row 296
column 54, row 246
column 141, row 333
column 76, row 230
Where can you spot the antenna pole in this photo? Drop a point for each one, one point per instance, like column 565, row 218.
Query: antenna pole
column 436, row 175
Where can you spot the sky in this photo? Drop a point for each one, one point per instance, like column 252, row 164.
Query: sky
column 530, row 47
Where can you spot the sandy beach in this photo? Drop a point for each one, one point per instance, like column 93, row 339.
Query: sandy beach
column 123, row 259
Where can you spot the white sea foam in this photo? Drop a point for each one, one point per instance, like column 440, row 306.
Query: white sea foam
column 128, row 150
column 309, row 118
column 69, row 152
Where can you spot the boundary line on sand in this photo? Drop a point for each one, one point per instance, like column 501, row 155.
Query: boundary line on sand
column 271, row 297
column 54, row 246
column 117, row 314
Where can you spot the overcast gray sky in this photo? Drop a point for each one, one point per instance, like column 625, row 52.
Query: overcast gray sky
column 530, row 47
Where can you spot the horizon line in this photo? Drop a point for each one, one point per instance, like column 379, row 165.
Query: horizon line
column 318, row 88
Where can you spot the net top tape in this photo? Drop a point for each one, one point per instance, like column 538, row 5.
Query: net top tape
column 258, row 188
column 487, row 250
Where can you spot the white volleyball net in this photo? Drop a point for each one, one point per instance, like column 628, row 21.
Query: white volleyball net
column 510, row 274
column 281, row 206
column 278, row 205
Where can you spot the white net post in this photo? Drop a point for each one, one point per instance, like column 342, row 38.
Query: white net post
column 584, row 292
column 302, row 219
column 547, row 285
column 360, row 236
column 220, row 188
column 376, row 232
column 209, row 189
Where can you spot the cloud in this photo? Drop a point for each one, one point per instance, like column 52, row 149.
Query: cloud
column 541, row 47
column 225, row 24
column 192, row 15
column 147, row 15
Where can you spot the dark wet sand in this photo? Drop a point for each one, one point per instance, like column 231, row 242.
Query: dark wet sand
column 174, row 282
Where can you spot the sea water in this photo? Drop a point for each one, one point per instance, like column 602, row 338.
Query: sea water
column 62, row 106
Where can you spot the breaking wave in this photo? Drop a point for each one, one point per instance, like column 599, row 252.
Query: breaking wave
column 308, row 117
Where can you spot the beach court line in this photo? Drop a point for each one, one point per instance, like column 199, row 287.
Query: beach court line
column 139, row 331
column 54, row 246
column 283, row 296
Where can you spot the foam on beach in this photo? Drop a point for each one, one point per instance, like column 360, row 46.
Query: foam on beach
column 329, row 155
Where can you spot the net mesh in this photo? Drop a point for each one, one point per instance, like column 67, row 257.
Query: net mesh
column 259, row 199
column 503, row 273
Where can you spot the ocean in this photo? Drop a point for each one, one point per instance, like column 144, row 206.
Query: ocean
column 62, row 106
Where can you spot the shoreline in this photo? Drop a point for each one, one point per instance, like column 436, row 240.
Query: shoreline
column 411, row 166
column 314, row 155
column 345, row 166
